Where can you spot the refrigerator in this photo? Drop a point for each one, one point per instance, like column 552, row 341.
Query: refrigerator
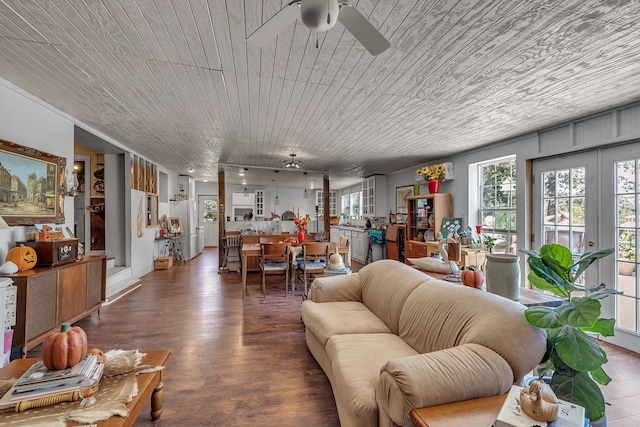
column 187, row 210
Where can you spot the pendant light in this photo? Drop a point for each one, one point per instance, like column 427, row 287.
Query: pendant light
column 276, row 201
column 305, row 195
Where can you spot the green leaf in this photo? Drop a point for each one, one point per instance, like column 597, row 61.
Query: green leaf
column 589, row 258
column 529, row 252
column 600, row 376
column 578, row 350
column 581, row 390
column 544, row 285
column 595, row 288
column 557, row 254
column 579, row 312
column 604, row 327
column 601, row 294
column 542, row 317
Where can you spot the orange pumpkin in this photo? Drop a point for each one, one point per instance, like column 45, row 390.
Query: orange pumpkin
column 99, row 354
column 64, row 348
column 472, row 278
column 23, row 256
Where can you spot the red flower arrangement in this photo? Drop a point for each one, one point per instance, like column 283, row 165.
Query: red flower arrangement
column 301, row 222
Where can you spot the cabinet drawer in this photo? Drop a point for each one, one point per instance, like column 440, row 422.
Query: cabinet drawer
column 415, row 250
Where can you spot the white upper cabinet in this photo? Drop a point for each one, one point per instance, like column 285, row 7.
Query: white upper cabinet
column 374, row 196
column 333, row 206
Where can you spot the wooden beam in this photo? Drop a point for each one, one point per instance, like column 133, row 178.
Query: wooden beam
column 325, row 204
column 222, row 214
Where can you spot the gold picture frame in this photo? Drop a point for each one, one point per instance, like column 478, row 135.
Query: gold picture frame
column 32, row 185
column 402, row 193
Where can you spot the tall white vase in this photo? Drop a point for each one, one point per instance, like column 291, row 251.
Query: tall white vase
column 502, row 275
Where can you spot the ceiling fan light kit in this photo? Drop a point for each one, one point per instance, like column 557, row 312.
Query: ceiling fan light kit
column 293, row 163
column 320, row 16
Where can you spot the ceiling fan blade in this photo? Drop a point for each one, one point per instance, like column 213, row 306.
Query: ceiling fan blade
column 278, row 22
column 362, row 30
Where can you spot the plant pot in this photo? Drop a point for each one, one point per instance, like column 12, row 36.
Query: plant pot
column 502, row 275
column 434, row 186
column 602, row 422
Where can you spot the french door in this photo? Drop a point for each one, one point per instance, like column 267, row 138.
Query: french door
column 566, row 204
column 588, row 201
column 621, row 209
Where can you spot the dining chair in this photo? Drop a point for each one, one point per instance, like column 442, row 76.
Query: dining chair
column 315, row 257
column 232, row 244
column 274, row 259
column 269, row 239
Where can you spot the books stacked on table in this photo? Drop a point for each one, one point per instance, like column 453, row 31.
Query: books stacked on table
column 512, row 415
column 38, row 381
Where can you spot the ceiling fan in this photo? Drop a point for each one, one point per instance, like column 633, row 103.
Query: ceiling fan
column 321, row 15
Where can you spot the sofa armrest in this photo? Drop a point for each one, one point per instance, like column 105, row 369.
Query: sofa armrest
column 345, row 287
column 460, row 373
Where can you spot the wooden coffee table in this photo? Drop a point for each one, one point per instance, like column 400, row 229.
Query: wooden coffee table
column 470, row 413
column 149, row 385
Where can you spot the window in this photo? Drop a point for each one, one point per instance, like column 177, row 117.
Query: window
column 497, row 203
column 355, row 204
column 346, row 206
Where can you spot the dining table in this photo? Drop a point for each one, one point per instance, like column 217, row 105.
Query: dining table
column 254, row 250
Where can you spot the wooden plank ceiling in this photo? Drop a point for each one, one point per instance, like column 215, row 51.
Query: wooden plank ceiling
column 176, row 82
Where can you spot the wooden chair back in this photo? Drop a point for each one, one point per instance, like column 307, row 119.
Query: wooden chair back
column 269, row 239
column 275, row 251
column 315, row 250
column 344, row 242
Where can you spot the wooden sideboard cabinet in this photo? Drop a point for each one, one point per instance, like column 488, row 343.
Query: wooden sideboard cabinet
column 48, row 297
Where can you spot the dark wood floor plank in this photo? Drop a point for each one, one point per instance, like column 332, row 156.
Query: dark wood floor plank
column 245, row 362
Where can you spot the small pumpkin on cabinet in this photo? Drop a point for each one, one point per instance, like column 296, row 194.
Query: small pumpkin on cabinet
column 64, row 348
column 472, row 276
column 24, row 257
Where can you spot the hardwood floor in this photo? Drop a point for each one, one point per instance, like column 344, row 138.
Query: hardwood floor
column 246, row 363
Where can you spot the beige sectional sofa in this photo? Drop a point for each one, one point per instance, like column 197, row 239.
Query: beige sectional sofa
column 391, row 339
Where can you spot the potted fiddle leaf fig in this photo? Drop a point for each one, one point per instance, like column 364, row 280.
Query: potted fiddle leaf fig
column 574, row 357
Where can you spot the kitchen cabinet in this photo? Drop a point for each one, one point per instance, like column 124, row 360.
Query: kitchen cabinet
column 260, row 208
column 374, row 196
column 50, row 296
column 243, row 200
column 333, row 206
column 334, row 235
column 358, row 246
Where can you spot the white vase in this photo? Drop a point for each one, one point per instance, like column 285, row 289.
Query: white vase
column 502, row 275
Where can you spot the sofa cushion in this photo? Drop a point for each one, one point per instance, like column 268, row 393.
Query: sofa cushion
column 441, row 315
column 386, row 284
column 333, row 318
column 356, row 363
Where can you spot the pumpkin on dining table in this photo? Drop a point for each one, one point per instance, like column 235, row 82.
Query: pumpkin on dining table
column 24, row 257
column 64, row 348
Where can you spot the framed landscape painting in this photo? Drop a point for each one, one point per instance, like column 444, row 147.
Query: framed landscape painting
column 32, row 185
column 401, row 198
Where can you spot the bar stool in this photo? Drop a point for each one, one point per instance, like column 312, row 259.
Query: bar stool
column 232, row 240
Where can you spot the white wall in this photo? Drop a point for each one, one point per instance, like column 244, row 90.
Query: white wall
column 28, row 123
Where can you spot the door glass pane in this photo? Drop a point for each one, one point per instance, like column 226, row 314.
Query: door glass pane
column 562, row 183
column 210, row 210
column 549, row 184
column 626, row 202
